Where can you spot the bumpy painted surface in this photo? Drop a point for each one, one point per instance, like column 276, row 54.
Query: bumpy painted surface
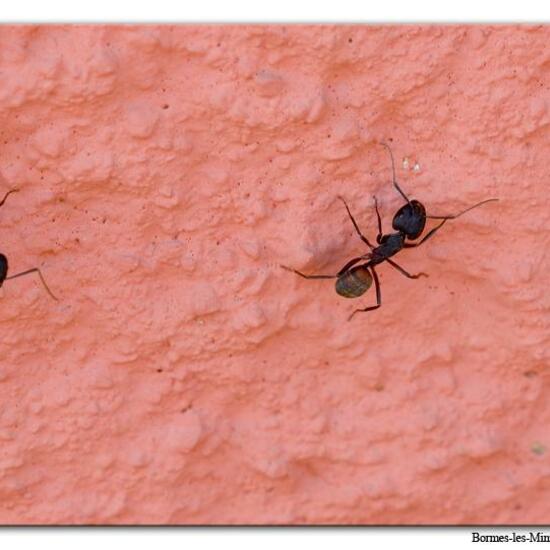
column 183, row 377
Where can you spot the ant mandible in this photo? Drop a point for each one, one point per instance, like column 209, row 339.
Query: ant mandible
column 4, row 261
column 409, row 222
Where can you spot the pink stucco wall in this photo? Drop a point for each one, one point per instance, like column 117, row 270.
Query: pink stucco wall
column 166, row 172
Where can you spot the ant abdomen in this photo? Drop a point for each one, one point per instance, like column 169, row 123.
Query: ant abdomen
column 354, row 282
column 3, row 268
column 410, row 219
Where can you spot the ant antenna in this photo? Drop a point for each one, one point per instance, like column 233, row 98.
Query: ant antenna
column 33, row 270
column 395, row 184
column 463, row 212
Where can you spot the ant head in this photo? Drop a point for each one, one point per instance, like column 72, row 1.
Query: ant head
column 410, row 219
column 354, row 283
column 3, row 268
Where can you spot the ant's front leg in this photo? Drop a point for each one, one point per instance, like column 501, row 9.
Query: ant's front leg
column 6, row 195
column 428, row 235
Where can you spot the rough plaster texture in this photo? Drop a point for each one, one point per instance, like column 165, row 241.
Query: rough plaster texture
column 183, row 377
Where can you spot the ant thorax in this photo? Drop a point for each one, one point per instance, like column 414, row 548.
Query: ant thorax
column 389, row 245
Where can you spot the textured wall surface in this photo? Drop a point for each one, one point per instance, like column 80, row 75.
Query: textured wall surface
column 183, row 377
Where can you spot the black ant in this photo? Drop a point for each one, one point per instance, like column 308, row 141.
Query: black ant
column 4, row 261
column 409, row 221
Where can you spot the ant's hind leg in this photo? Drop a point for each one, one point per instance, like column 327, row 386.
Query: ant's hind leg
column 350, row 264
column 361, row 236
column 406, row 273
column 343, row 270
column 309, row 276
column 6, row 195
column 34, row 270
column 378, row 296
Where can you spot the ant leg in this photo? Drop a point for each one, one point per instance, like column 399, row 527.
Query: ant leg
column 361, row 236
column 309, row 276
column 379, row 236
column 395, row 184
column 406, row 273
column 445, row 218
column 6, row 195
column 428, row 235
column 349, row 264
column 463, row 212
column 378, row 296
column 33, row 270
column 343, row 270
